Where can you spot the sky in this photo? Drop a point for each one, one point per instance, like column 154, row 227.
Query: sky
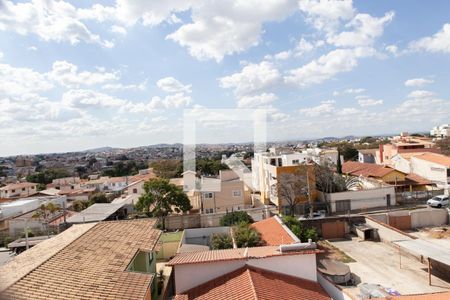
column 82, row 74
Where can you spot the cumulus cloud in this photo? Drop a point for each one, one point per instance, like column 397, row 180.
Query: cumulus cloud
column 220, row 28
column 50, row 20
column 172, row 85
column 67, row 74
column 90, row 99
column 418, row 82
column 366, row 29
column 327, row 66
column 17, row 81
column 256, row 100
column 252, row 78
column 354, row 91
column 363, row 102
column 324, row 108
column 437, row 43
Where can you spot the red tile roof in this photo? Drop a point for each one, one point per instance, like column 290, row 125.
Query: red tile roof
column 273, row 232
column 248, row 283
column 418, row 179
column 364, row 169
column 232, row 254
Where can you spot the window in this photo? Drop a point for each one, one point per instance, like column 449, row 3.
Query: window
column 134, row 191
column 209, row 211
column 23, row 189
column 72, row 187
column 13, row 191
column 280, row 162
column 295, row 161
column 273, row 161
column 208, row 195
column 237, row 193
column 448, row 172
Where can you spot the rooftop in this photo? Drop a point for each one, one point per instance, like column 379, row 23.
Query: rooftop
column 95, row 213
column 93, row 266
column 274, row 232
column 365, row 169
column 435, row 158
column 233, row 254
column 18, row 185
column 249, row 283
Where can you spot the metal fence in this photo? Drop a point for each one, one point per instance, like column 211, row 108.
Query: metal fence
column 417, row 197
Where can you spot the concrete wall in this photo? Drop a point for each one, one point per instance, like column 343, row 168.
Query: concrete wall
column 428, row 218
column 333, row 290
column 431, row 171
column 192, row 275
column 302, row 266
column 386, row 233
column 363, row 199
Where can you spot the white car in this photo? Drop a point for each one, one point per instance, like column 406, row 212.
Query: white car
column 438, row 201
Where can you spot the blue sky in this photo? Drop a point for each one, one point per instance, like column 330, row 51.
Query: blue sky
column 78, row 75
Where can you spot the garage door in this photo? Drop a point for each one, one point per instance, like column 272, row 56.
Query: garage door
column 342, row 206
column 333, row 230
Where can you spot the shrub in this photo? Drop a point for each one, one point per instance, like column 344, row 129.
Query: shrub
column 236, row 217
column 221, row 241
column 246, row 236
column 297, row 228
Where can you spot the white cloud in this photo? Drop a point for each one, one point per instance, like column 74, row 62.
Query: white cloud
column 257, row 100
column 168, row 102
column 172, row 85
column 324, row 108
column 393, row 49
column 118, row 29
column 67, row 74
column 364, row 102
column 252, row 78
column 125, row 87
column 366, row 29
column 50, row 20
column 32, row 48
column 327, row 66
column 220, row 28
column 418, row 82
column 90, row 99
column 282, row 55
column 354, row 91
column 18, row 81
column 326, row 15
column 421, row 94
column 439, row 42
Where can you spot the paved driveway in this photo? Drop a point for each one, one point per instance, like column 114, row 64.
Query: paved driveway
column 379, row 263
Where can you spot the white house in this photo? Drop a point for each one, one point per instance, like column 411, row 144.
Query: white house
column 18, row 190
column 434, row 167
column 441, row 131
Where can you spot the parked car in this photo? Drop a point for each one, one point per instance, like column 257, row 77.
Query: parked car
column 438, row 201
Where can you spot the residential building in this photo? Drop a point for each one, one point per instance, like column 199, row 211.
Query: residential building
column 441, row 131
column 400, row 180
column 367, row 156
column 401, row 144
column 287, row 271
column 18, row 190
column 434, row 167
column 107, row 260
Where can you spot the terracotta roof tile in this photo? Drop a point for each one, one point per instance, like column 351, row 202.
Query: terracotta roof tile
column 93, row 266
column 273, row 232
column 232, row 254
column 364, row 169
column 248, row 283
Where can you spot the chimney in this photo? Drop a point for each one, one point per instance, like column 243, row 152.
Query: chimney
column 381, row 153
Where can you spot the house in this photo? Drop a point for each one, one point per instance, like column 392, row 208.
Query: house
column 107, row 260
column 18, row 190
column 401, row 180
column 274, row 232
column 284, row 271
column 441, row 131
column 434, row 167
column 401, row 144
column 367, row 155
column 100, row 212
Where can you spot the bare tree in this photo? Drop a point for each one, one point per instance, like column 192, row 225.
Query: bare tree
column 44, row 212
column 293, row 188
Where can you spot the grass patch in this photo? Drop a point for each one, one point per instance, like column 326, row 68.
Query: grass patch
column 332, row 252
column 168, row 237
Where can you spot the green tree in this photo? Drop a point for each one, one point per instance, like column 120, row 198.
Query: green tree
column 444, row 145
column 297, row 228
column 47, row 176
column 161, row 198
column 79, row 205
column 246, row 236
column 348, row 150
column 169, row 168
column 339, row 163
column 236, row 217
column 220, row 241
column 98, row 198
column 45, row 212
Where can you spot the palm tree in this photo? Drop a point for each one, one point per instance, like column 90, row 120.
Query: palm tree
column 44, row 212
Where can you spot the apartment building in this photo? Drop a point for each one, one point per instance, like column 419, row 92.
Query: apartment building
column 441, row 131
column 18, row 190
